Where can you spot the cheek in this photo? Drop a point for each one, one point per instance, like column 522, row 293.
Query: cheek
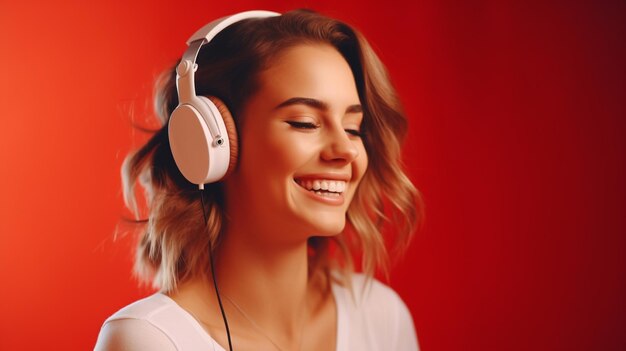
column 359, row 167
column 275, row 158
column 289, row 152
column 361, row 162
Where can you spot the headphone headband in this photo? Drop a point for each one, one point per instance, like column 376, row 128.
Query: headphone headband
column 186, row 87
column 209, row 31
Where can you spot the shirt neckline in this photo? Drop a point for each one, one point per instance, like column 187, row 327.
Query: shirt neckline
column 341, row 329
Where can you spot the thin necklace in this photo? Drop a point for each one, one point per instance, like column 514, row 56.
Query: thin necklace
column 260, row 330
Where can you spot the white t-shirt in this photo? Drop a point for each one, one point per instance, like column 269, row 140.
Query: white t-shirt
column 371, row 319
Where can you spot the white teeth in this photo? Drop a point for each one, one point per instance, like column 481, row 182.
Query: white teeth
column 323, row 186
column 316, row 185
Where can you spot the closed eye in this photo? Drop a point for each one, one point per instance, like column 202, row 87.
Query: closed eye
column 302, row 125
column 354, row 132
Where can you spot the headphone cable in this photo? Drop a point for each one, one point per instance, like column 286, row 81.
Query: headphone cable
column 217, row 292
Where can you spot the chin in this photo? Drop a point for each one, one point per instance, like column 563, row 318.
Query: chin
column 328, row 227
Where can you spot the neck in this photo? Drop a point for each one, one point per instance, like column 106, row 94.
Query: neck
column 268, row 281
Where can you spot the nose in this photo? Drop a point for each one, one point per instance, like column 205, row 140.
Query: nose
column 339, row 147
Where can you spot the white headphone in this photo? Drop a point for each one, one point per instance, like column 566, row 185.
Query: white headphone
column 201, row 131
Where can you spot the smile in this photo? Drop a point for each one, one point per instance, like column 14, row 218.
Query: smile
column 323, row 187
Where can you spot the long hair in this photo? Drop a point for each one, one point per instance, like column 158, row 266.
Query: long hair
column 174, row 242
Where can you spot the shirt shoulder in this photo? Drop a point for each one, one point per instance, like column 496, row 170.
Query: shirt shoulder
column 132, row 335
column 153, row 323
column 146, row 308
column 376, row 318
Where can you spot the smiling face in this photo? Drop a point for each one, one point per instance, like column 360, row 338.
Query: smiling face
column 301, row 156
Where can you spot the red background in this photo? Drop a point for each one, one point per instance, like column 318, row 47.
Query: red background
column 517, row 143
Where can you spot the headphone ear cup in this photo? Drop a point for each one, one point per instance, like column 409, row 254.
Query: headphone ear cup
column 199, row 155
column 231, row 131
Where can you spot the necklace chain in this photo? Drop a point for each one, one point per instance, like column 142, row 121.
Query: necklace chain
column 260, row 330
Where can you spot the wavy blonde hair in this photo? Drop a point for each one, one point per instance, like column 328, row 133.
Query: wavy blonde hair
column 174, row 242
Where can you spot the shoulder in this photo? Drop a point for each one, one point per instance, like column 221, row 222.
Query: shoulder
column 145, row 308
column 137, row 327
column 370, row 296
column 132, row 335
column 376, row 314
column 370, row 290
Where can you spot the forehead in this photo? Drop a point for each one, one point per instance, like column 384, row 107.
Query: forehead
column 309, row 70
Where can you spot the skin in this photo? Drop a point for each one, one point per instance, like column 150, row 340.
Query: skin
column 302, row 123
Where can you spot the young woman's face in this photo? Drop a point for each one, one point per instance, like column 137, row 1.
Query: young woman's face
column 301, row 156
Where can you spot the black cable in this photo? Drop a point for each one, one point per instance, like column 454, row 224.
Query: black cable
column 217, row 292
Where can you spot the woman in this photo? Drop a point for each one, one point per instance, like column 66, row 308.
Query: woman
column 261, row 258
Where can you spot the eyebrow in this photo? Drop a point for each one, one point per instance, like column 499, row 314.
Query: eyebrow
column 316, row 104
